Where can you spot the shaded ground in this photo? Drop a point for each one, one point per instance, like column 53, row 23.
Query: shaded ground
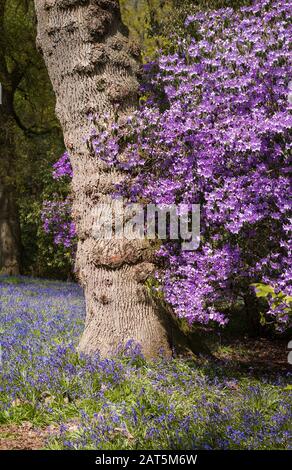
column 260, row 354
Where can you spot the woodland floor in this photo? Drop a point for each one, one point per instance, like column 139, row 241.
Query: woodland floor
column 21, row 437
column 43, row 386
column 257, row 354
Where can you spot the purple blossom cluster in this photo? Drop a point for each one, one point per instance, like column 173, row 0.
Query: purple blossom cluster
column 63, row 167
column 56, row 214
column 57, row 221
column 214, row 129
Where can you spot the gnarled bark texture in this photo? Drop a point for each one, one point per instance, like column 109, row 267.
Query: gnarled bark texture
column 93, row 68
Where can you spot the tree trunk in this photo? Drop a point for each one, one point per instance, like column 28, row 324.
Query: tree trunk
column 9, row 234
column 9, row 222
column 93, row 68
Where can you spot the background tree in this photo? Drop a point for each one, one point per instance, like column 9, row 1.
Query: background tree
column 9, row 222
column 30, row 137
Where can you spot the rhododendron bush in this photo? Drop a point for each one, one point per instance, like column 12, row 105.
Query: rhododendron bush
column 56, row 214
column 214, row 128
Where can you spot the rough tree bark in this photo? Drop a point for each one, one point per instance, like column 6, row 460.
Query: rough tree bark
column 93, row 68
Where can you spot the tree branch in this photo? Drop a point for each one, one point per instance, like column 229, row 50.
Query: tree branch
column 30, row 131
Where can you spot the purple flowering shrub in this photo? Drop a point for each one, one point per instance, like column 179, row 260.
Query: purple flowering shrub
column 124, row 402
column 56, row 218
column 214, row 128
column 63, row 167
column 56, row 213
